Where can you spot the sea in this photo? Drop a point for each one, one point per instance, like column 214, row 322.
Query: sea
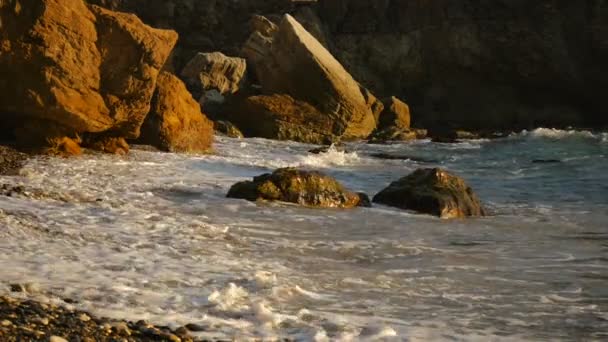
column 152, row 236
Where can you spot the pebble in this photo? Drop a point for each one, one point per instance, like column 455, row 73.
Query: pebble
column 57, row 339
column 84, row 317
column 122, row 328
column 195, row 327
column 6, row 323
column 43, row 321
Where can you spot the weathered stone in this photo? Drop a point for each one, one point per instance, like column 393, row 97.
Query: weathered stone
column 212, row 76
column 393, row 133
column 432, row 191
column 83, row 68
column 307, row 188
column 228, row 129
column 175, row 122
column 108, row 144
column 396, row 113
column 282, row 117
column 293, row 62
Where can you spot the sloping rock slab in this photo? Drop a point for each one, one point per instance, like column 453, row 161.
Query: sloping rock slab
column 432, row 191
column 306, row 188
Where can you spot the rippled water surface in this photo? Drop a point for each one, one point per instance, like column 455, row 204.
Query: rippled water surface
column 152, row 236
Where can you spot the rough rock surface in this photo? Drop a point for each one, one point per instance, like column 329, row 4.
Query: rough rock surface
column 11, row 160
column 82, row 68
column 28, row 320
column 228, row 129
column 432, row 191
column 212, row 76
column 293, row 62
column 282, row 117
column 479, row 64
column 396, row 113
column 175, row 122
column 307, row 188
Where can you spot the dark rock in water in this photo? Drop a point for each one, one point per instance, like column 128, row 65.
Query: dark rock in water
column 432, row 191
column 307, row 188
column 392, row 133
column 11, row 160
column 446, row 135
column 228, row 129
column 546, row 161
column 401, row 157
column 325, row 149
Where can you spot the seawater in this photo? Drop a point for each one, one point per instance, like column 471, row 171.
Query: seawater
column 152, row 236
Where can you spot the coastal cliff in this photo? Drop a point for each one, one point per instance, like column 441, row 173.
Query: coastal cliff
column 463, row 64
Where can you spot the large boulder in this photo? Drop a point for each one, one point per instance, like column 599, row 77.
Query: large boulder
column 307, row 188
column 282, row 117
column 432, row 191
column 213, row 76
column 291, row 61
column 396, row 113
column 175, row 122
column 79, row 68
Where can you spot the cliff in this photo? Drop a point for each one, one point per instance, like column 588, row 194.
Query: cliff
column 499, row 64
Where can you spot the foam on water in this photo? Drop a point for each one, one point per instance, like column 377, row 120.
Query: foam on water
column 152, row 236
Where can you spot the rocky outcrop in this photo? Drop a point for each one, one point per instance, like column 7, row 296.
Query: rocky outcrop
column 478, row 64
column 282, row 117
column 291, row 61
column 213, row 76
column 175, row 122
column 432, row 191
column 396, row 113
column 76, row 67
column 307, row 188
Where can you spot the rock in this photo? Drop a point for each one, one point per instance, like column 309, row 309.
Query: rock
column 175, row 122
column 212, row 76
column 477, row 64
column 57, row 339
column 396, row 113
column 108, row 144
column 432, row 191
column 448, row 135
column 307, row 188
column 328, row 148
column 393, row 133
column 284, row 118
column 292, row 62
column 228, row 129
column 96, row 76
column 196, row 327
column 11, row 160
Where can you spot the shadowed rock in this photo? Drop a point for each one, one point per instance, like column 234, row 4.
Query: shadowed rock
column 175, row 122
column 432, row 191
column 307, row 188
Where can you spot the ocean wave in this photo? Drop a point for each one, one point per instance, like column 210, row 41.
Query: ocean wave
column 554, row 133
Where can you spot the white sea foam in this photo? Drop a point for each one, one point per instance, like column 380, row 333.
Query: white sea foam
column 152, row 236
column 553, row 133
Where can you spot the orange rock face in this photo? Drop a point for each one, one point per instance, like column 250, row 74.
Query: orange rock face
column 175, row 122
column 80, row 67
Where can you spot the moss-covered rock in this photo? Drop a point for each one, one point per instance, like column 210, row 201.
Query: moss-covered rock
column 307, row 188
column 432, row 191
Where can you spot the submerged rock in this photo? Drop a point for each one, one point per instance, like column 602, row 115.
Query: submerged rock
column 175, row 122
column 11, row 160
column 289, row 60
column 432, row 191
column 307, row 188
column 227, row 128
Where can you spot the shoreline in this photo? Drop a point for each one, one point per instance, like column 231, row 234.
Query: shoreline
column 31, row 320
